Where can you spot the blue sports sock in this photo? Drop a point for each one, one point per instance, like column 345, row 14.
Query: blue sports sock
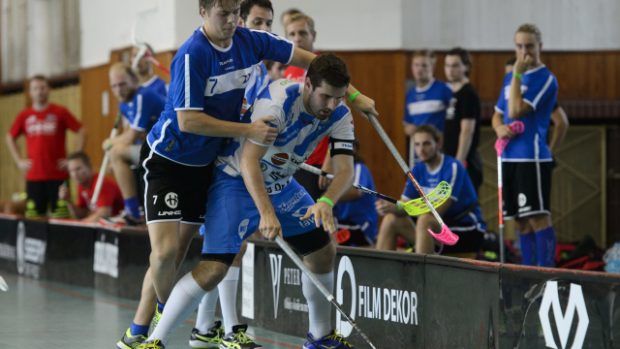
column 139, row 329
column 545, row 247
column 132, row 206
column 528, row 246
column 160, row 306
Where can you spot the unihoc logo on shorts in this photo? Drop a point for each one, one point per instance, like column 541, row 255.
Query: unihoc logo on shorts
column 563, row 320
column 522, row 199
column 172, row 200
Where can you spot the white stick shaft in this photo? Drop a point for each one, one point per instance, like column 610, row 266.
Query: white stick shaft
column 102, row 170
column 315, row 170
column 300, row 264
column 500, row 209
column 403, row 165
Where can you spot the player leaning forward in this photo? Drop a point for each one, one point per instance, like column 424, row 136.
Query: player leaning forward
column 253, row 187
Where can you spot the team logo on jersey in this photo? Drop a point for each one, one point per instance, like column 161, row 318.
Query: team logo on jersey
column 522, row 199
column 279, row 159
column 172, row 200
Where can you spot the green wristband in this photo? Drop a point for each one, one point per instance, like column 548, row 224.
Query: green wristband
column 326, row 200
column 518, row 76
column 354, row 95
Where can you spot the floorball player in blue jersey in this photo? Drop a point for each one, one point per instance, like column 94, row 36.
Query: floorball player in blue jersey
column 209, row 74
column 461, row 212
column 253, row 188
column 528, row 94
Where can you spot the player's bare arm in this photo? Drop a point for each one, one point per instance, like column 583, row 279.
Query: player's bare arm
column 468, row 127
column 200, row 123
column 501, row 130
column 364, row 104
column 269, row 225
column 343, row 179
column 23, row 164
column 560, row 127
column 516, row 105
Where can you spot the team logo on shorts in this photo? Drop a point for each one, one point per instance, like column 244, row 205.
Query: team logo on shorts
column 522, row 199
column 172, row 200
column 243, row 228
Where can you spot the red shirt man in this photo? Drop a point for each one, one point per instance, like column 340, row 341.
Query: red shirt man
column 44, row 125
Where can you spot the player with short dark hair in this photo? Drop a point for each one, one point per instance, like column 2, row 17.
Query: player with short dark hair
column 209, row 74
column 253, row 187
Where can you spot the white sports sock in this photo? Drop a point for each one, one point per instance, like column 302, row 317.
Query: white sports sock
column 319, row 308
column 206, row 311
column 228, row 298
column 184, row 298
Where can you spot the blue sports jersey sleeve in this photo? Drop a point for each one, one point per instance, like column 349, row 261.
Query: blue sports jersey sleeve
column 538, row 88
column 189, row 73
column 272, row 47
column 148, row 108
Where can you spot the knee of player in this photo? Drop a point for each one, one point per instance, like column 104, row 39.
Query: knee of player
column 209, row 273
column 164, row 255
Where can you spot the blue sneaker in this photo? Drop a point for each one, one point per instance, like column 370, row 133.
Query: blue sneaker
column 331, row 341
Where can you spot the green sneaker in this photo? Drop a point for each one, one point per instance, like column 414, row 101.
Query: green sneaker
column 62, row 210
column 238, row 339
column 31, row 210
column 210, row 340
column 155, row 319
column 130, row 342
column 154, row 344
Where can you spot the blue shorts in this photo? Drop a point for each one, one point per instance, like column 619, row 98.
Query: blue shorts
column 232, row 215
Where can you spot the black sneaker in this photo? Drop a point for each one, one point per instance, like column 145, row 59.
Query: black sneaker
column 238, row 339
column 210, row 340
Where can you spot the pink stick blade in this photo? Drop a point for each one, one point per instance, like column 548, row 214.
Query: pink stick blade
column 446, row 236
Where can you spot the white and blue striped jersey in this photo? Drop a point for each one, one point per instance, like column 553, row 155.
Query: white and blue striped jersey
column 464, row 213
column 157, row 85
column 143, row 110
column 210, row 79
column 539, row 89
column 428, row 105
column 258, row 82
column 298, row 134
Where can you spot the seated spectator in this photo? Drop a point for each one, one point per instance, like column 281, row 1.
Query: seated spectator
column 461, row 212
column 355, row 212
column 110, row 201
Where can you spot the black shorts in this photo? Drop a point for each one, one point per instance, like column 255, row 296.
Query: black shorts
column 44, row 194
column 527, row 188
column 172, row 191
column 310, row 182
